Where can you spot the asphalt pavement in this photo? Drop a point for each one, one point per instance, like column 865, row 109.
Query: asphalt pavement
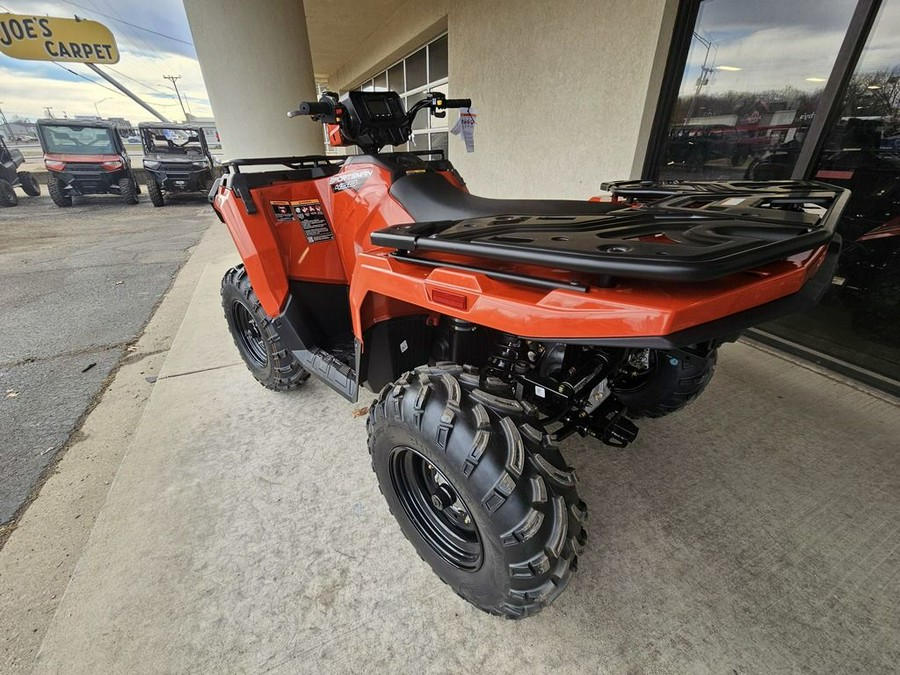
column 77, row 286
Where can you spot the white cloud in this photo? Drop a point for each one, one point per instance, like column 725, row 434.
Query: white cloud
column 145, row 59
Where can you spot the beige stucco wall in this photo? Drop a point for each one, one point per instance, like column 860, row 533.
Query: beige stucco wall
column 560, row 90
column 564, row 90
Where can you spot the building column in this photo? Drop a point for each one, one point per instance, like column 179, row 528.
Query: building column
column 256, row 65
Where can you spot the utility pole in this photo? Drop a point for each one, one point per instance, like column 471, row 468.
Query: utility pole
column 705, row 72
column 97, row 103
column 134, row 97
column 172, row 79
column 9, row 132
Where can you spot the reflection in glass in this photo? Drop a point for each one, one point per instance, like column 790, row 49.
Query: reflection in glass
column 416, row 70
column 396, row 81
column 437, row 59
column 752, row 82
column 859, row 319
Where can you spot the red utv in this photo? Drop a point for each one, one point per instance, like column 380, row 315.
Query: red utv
column 85, row 158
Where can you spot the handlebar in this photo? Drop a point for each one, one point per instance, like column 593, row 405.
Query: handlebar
column 457, row 103
column 312, row 108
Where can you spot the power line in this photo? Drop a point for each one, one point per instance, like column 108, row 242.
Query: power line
column 147, row 30
column 131, row 34
column 143, row 84
column 85, row 77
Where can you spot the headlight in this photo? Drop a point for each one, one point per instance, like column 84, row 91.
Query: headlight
column 200, row 165
column 153, row 166
column 113, row 165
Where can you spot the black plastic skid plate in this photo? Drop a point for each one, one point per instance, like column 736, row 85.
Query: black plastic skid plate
column 666, row 231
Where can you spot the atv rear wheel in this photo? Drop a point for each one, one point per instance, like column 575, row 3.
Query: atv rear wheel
column 8, row 196
column 155, row 192
column 258, row 343
column 57, row 194
column 29, row 184
column 128, row 191
column 663, row 382
column 478, row 488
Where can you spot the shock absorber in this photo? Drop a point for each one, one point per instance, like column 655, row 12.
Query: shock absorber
column 507, row 359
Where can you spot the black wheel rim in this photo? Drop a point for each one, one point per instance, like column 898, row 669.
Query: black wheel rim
column 249, row 336
column 436, row 510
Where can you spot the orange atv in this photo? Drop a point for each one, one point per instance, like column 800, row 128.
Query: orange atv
column 493, row 329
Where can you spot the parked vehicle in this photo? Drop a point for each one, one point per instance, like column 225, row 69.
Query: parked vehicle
column 176, row 159
column 85, row 157
column 10, row 176
column 493, row 329
column 694, row 145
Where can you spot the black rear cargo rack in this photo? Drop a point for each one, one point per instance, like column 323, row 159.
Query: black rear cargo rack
column 308, row 167
column 674, row 231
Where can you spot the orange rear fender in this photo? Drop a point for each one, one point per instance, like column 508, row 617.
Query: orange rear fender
column 633, row 309
column 257, row 244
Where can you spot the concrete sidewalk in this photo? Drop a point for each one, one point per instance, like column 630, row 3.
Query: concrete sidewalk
column 758, row 531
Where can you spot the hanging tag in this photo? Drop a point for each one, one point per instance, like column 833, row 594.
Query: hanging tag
column 465, row 127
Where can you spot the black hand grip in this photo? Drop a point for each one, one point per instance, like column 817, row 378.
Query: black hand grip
column 457, row 103
column 312, row 108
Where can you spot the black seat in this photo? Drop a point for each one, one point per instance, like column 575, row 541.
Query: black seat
column 430, row 197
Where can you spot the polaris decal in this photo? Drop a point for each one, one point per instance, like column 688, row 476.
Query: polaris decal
column 349, row 181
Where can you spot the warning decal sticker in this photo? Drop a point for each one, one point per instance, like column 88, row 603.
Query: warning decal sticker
column 312, row 218
column 282, row 211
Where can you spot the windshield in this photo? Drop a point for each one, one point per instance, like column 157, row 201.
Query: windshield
column 172, row 141
column 77, row 140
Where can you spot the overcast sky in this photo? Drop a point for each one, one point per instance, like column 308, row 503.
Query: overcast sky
column 774, row 42
column 778, row 43
column 27, row 87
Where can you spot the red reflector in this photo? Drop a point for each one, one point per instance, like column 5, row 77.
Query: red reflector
column 455, row 300
column 834, row 175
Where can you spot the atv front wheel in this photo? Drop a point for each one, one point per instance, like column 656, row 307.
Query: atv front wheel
column 478, row 488
column 661, row 382
column 29, row 184
column 8, row 196
column 155, row 192
column 57, row 194
column 128, row 191
column 257, row 342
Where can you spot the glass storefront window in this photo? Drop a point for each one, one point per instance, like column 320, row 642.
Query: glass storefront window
column 754, row 81
column 417, row 69
column 858, row 321
column 437, row 59
column 423, row 70
column 754, row 75
column 396, row 81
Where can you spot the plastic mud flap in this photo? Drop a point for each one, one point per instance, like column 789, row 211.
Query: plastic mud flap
column 324, row 365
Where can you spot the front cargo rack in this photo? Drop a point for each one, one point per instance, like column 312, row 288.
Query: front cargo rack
column 667, row 231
